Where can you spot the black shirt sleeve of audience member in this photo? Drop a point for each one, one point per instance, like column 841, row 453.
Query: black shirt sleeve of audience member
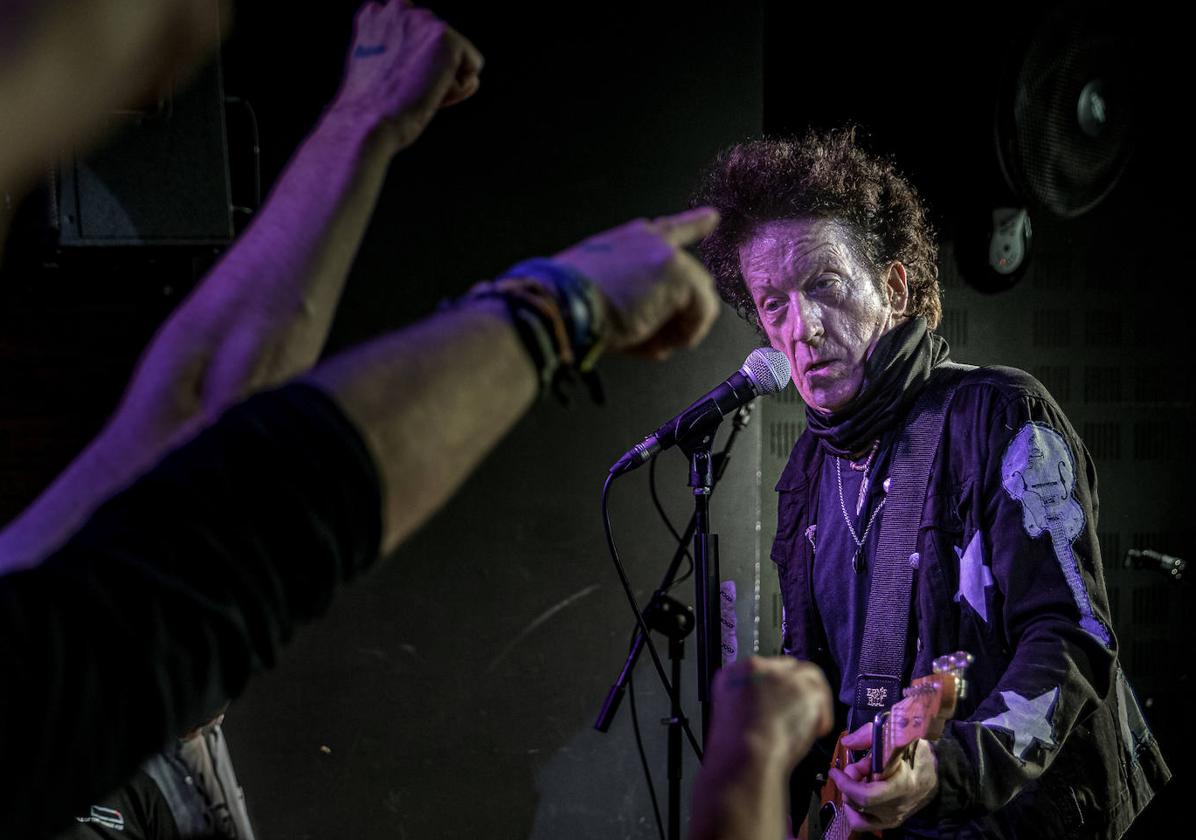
column 137, row 810
column 172, row 595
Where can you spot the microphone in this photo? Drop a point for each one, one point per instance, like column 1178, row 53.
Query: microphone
column 1135, row 558
column 765, row 371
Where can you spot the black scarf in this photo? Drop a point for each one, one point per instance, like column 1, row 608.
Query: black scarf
column 899, row 366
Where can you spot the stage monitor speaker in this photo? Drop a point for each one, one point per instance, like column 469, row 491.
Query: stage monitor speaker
column 163, row 179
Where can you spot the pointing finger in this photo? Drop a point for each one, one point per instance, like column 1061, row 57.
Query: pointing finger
column 686, row 228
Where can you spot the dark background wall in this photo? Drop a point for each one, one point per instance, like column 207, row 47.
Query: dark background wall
column 451, row 692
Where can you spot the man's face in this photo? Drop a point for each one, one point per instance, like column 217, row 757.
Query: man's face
column 819, row 305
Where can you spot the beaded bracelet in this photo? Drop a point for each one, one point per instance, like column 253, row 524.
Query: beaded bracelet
column 537, row 319
column 557, row 313
column 580, row 305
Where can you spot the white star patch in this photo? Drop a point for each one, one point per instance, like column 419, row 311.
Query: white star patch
column 1028, row 720
column 974, row 576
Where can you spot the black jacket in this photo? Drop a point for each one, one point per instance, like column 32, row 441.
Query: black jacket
column 1050, row 741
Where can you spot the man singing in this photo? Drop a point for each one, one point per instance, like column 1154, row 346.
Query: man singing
column 827, row 251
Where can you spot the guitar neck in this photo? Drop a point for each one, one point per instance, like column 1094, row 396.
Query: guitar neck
column 922, row 713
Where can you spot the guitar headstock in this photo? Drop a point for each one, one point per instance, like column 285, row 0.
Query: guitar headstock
column 925, row 707
column 954, row 664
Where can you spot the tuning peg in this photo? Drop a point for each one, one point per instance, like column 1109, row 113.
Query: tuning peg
column 953, row 663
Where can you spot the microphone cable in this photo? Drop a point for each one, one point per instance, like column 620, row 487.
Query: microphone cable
column 740, row 422
column 668, row 523
column 633, row 602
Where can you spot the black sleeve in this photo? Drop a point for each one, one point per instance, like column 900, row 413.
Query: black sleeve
column 172, row 594
column 1030, row 527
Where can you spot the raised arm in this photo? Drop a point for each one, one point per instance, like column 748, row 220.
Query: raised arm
column 199, row 571
column 767, row 713
column 263, row 313
column 425, row 400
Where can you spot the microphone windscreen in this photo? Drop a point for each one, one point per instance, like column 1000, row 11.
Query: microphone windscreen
column 768, row 369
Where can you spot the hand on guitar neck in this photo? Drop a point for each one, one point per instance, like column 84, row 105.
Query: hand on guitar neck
column 899, row 776
column 889, row 800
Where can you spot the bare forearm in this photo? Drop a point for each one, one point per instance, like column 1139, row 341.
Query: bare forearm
column 740, row 796
column 259, row 318
column 97, row 473
column 768, row 711
column 431, row 401
column 264, row 312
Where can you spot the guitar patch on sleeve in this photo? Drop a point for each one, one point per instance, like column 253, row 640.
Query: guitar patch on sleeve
column 1038, row 471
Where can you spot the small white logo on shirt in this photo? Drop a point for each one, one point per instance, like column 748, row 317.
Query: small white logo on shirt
column 107, row 817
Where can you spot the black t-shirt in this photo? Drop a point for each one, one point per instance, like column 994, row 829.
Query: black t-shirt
column 172, row 595
column 842, row 581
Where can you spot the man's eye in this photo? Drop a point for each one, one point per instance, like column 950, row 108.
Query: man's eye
column 826, row 282
column 772, row 305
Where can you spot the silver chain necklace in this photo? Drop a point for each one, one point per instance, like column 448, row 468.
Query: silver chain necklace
column 857, row 560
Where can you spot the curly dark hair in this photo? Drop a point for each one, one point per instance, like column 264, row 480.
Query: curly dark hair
column 822, row 176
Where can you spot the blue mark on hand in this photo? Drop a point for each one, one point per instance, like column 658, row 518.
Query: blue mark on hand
column 367, row 52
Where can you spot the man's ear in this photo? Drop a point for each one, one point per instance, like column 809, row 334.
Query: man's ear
column 897, row 288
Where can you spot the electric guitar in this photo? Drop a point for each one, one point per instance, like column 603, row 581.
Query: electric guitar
column 924, row 709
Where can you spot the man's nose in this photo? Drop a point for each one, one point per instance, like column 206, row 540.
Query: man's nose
column 806, row 323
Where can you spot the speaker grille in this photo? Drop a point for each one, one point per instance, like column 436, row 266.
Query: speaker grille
column 1103, row 440
column 1056, row 378
column 1102, row 385
column 1103, row 328
column 1052, row 328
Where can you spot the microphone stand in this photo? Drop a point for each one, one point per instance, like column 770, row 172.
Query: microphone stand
column 701, row 479
column 675, row 620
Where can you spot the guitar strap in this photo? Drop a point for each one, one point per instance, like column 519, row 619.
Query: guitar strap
column 886, row 627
